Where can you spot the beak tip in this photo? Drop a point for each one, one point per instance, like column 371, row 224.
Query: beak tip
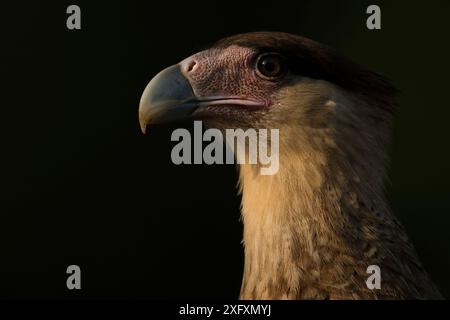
column 142, row 123
column 143, row 126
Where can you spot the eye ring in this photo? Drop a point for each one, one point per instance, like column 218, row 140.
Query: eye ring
column 270, row 66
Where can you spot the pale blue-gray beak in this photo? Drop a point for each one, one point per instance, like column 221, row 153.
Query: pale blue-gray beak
column 167, row 97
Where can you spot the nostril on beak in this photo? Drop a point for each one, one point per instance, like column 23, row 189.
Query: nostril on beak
column 188, row 65
column 191, row 65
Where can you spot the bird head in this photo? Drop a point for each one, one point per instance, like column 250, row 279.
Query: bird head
column 273, row 80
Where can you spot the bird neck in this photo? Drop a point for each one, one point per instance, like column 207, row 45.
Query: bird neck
column 299, row 220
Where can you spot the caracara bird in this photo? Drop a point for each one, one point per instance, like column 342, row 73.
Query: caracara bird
column 312, row 229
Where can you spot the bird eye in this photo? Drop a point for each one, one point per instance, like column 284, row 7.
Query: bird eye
column 270, row 65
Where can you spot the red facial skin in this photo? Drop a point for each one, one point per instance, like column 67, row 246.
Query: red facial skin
column 230, row 72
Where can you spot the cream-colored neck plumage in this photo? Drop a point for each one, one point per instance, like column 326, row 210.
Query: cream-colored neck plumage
column 286, row 221
column 309, row 236
column 312, row 230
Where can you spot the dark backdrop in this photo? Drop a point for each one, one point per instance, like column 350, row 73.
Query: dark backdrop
column 81, row 184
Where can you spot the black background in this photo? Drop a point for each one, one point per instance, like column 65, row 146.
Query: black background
column 81, row 185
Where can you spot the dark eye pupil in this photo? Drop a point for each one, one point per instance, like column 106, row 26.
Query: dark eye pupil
column 270, row 66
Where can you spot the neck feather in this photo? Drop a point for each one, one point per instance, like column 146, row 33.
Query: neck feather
column 312, row 229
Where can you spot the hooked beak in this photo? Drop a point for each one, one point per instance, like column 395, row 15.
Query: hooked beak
column 167, row 97
column 170, row 96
